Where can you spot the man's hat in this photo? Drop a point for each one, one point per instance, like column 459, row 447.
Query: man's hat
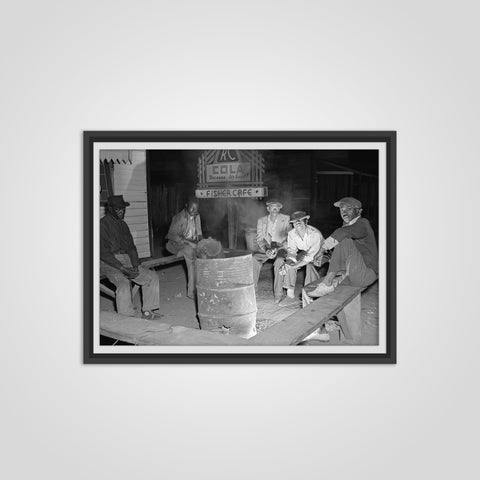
column 295, row 216
column 117, row 201
column 273, row 201
column 349, row 201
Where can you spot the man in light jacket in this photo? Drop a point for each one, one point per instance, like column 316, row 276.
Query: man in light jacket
column 272, row 233
column 304, row 243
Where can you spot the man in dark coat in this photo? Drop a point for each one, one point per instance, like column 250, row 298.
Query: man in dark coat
column 120, row 264
column 355, row 255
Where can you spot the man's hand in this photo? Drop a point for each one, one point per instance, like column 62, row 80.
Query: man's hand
column 329, row 243
column 271, row 253
column 317, row 261
column 130, row 272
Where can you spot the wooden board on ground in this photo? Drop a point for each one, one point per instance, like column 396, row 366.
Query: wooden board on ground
column 293, row 329
column 153, row 332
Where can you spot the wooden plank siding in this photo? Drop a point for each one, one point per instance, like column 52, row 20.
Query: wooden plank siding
column 130, row 180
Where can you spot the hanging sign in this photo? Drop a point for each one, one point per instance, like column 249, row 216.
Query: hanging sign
column 242, row 192
column 231, row 174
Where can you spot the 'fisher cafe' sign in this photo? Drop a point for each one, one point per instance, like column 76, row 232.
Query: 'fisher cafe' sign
column 246, row 192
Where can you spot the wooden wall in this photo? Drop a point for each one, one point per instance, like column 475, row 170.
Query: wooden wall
column 292, row 176
column 130, row 180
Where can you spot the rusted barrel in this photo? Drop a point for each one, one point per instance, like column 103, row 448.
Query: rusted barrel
column 226, row 294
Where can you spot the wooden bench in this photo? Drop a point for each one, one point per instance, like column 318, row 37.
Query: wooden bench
column 152, row 332
column 150, row 263
column 344, row 302
column 159, row 262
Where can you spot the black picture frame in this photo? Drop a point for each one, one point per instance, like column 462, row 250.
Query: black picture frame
column 383, row 138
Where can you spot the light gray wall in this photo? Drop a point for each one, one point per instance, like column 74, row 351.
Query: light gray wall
column 273, row 65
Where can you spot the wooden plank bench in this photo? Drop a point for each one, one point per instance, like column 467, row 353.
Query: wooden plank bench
column 160, row 261
column 149, row 263
column 344, row 302
column 152, row 332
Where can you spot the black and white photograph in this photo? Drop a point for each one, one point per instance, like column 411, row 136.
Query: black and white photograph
column 239, row 240
column 262, row 246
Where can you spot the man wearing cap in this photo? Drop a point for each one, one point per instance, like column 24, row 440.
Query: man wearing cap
column 120, row 264
column 355, row 255
column 303, row 242
column 183, row 235
column 272, row 233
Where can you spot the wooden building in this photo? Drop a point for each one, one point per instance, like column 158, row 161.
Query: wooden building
column 124, row 172
column 157, row 183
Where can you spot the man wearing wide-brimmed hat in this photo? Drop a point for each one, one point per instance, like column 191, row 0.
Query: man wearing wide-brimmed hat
column 304, row 242
column 272, row 233
column 120, row 264
column 354, row 259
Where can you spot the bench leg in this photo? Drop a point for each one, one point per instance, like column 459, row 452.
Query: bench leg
column 351, row 321
column 107, row 290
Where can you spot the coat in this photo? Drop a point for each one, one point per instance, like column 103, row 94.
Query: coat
column 282, row 226
column 178, row 228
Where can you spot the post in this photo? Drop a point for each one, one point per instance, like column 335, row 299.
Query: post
column 231, row 224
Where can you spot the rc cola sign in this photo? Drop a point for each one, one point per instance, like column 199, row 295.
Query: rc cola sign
column 229, row 172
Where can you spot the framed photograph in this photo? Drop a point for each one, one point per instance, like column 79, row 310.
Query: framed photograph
column 240, row 247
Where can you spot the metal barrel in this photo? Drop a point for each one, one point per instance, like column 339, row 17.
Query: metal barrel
column 226, row 294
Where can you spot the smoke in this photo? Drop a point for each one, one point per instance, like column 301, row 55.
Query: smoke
column 278, row 178
column 248, row 211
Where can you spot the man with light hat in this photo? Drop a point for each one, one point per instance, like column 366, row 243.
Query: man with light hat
column 120, row 264
column 303, row 244
column 354, row 259
column 272, row 233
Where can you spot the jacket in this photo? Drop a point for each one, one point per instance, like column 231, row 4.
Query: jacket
column 115, row 237
column 282, row 226
column 310, row 244
column 178, row 228
column 362, row 234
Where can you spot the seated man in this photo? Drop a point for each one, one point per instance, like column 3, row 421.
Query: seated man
column 119, row 261
column 355, row 255
column 304, row 242
column 272, row 233
column 184, row 234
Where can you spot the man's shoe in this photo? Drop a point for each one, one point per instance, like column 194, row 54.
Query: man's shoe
column 321, row 290
column 278, row 299
column 289, row 302
column 149, row 315
column 320, row 335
